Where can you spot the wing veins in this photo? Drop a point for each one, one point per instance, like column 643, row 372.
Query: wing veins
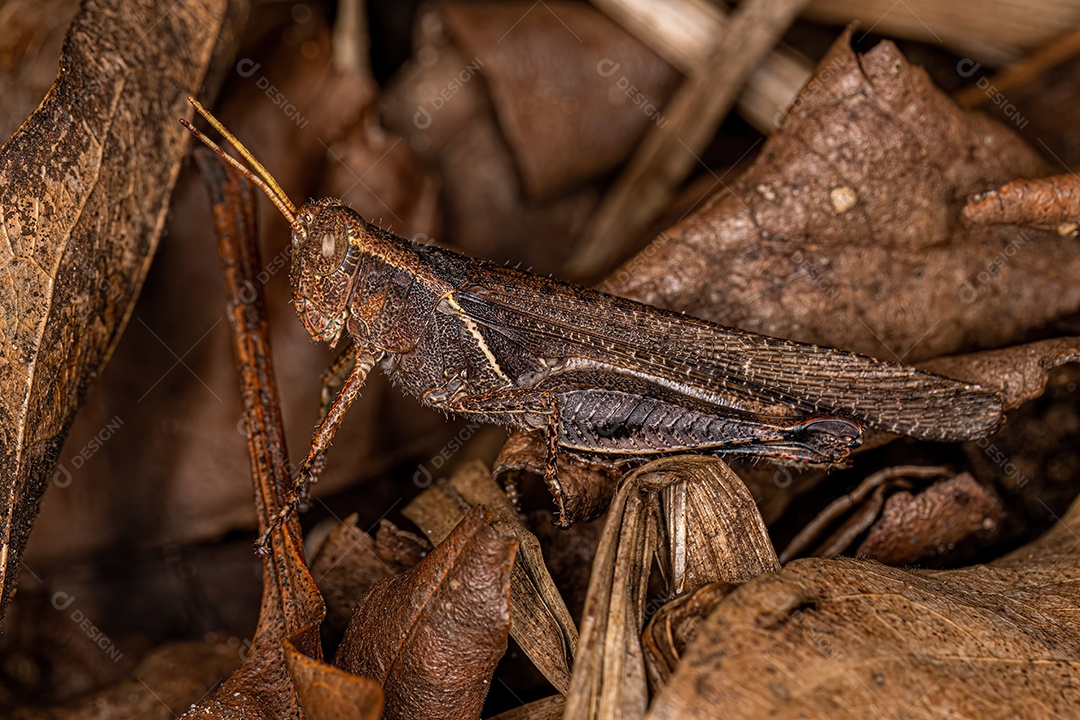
column 809, row 377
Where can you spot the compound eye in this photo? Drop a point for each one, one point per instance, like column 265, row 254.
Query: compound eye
column 326, row 249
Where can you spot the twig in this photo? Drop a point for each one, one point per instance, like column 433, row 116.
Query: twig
column 670, row 152
column 1023, row 71
column 351, row 42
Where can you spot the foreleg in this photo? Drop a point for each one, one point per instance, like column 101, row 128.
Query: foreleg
column 362, row 363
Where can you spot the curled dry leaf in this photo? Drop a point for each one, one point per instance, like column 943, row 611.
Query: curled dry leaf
column 916, row 527
column 609, row 672
column 887, row 517
column 542, row 625
column 349, row 561
column 693, row 515
column 86, row 183
column 327, row 693
column 586, row 488
column 673, row 627
column 834, row 528
column 1016, row 374
column 431, row 636
column 853, row 638
column 1052, row 202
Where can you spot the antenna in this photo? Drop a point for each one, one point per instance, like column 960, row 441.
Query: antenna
column 261, row 176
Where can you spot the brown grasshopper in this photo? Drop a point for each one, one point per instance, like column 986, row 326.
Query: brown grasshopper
column 596, row 374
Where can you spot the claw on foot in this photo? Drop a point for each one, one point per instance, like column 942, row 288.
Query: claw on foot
column 297, row 499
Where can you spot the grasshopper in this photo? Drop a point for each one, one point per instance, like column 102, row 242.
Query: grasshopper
column 597, row 375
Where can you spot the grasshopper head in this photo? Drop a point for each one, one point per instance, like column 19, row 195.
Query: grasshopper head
column 325, row 257
column 327, row 241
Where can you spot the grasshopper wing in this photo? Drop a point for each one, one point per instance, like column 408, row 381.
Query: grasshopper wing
column 713, row 364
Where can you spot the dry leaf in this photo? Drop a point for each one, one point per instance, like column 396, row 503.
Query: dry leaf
column 674, row 625
column 549, row 708
column 833, row 529
column 671, row 151
column 695, row 516
column 915, row 528
column 1016, row 374
column 431, row 636
column 400, row 196
column 165, row 683
column 854, row 638
column 327, row 693
column 585, row 488
column 845, row 231
column 86, row 185
column 349, row 561
column 559, row 84
column 517, row 111
column 292, row 608
column 541, row 625
column 884, row 519
column 562, row 83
